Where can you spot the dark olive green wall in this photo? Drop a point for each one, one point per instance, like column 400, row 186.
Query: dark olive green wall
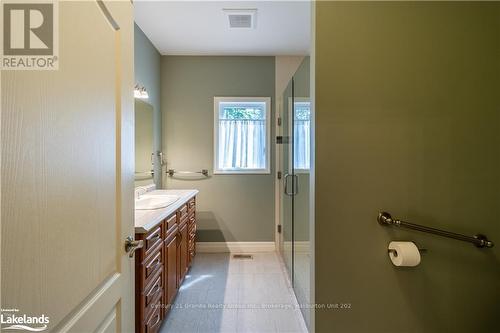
column 407, row 120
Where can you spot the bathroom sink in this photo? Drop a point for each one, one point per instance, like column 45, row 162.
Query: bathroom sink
column 162, row 193
column 147, row 202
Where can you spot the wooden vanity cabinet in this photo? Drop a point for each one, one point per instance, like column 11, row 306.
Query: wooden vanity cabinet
column 161, row 265
column 149, row 279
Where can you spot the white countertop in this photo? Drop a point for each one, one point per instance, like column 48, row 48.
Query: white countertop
column 145, row 220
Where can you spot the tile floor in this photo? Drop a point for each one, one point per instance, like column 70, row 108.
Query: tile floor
column 222, row 294
column 302, row 280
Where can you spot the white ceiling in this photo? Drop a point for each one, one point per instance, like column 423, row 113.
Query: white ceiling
column 201, row 27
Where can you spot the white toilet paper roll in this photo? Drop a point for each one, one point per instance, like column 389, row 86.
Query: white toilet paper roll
column 404, row 254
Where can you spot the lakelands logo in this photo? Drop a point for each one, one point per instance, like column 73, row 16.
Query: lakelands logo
column 30, row 39
column 11, row 319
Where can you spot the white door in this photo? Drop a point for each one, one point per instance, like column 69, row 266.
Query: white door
column 67, row 176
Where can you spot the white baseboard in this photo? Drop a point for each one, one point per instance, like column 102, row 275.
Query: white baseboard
column 302, row 247
column 234, row 247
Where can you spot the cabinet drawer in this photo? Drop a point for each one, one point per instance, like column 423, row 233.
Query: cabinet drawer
column 152, row 240
column 170, row 222
column 192, row 219
column 192, row 234
column 153, row 292
column 192, row 230
column 154, row 322
column 191, row 254
column 182, row 213
column 192, row 205
column 152, row 264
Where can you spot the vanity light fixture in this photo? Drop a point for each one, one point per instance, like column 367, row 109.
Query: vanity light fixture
column 140, row 92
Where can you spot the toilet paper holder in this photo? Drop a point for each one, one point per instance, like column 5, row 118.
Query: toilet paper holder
column 395, row 252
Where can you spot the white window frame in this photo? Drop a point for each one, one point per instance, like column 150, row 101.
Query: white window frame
column 267, row 169
column 291, row 113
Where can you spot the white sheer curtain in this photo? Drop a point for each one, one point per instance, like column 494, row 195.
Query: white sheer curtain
column 242, row 144
column 302, row 144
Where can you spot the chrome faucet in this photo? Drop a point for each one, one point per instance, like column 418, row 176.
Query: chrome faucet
column 140, row 190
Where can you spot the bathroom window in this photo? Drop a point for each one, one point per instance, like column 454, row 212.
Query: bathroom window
column 241, row 135
column 301, row 135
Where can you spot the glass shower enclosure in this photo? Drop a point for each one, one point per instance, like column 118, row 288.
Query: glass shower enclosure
column 294, row 194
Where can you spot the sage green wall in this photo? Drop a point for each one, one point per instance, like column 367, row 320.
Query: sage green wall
column 147, row 73
column 230, row 207
column 408, row 121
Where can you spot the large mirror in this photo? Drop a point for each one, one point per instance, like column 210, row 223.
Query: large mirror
column 143, row 140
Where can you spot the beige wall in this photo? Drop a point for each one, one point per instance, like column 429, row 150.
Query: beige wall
column 285, row 67
column 230, row 207
column 407, row 120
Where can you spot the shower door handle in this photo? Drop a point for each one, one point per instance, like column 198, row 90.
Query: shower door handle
column 295, row 189
column 295, row 184
column 286, row 184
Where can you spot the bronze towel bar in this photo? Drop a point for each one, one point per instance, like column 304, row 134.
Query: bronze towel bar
column 479, row 240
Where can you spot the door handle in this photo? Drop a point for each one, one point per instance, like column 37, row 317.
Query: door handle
column 132, row 245
column 296, row 185
column 295, row 189
column 286, row 184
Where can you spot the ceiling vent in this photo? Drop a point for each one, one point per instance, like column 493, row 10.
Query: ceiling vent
column 241, row 18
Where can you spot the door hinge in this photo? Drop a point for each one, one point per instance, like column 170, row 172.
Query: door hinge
column 282, row 139
column 279, row 228
column 279, row 121
column 279, row 174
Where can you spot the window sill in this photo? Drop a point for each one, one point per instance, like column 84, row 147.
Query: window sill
column 246, row 172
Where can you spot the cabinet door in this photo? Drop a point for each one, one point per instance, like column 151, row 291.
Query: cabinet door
column 183, row 248
column 171, row 269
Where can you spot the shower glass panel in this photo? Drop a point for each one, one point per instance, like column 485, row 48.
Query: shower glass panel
column 287, row 172
column 301, row 157
column 295, row 201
